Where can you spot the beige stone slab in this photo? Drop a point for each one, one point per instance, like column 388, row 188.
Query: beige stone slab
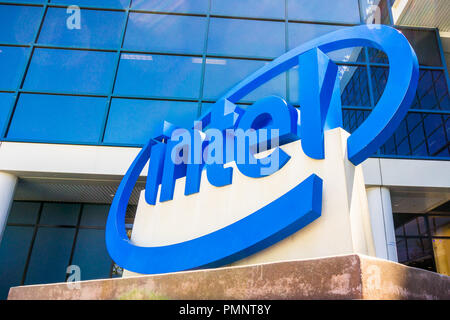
column 340, row 277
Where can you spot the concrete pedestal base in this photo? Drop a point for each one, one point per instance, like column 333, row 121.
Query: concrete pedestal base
column 339, row 277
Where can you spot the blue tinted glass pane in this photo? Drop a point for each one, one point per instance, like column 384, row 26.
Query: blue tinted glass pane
column 50, row 255
column 91, row 255
column 299, row 33
column 60, row 214
column 377, row 56
column 170, row 33
column 24, row 212
column 74, row 71
column 379, row 79
column 344, row 11
column 185, row 6
column 18, row 24
column 354, row 86
column 441, row 89
column 158, row 75
column 95, row 3
column 98, row 29
column 352, row 119
column 94, row 215
column 432, row 91
column 355, row 54
column 13, row 255
column 246, row 37
column 249, row 8
column 223, row 74
column 12, row 62
column 437, row 129
column 353, row 82
column 425, row 94
column 136, row 121
column 6, row 102
column 58, row 118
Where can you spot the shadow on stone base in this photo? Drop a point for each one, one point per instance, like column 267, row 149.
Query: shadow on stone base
column 339, row 277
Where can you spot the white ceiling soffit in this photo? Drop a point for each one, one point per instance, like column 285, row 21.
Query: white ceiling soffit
column 422, row 13
column 71, row 191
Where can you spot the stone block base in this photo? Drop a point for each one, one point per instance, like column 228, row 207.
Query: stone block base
column 340, row 277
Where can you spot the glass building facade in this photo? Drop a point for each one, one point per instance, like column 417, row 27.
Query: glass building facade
column 107, row 72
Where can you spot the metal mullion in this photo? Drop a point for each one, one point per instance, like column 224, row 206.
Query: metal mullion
column 422, row 122
column 286, row 47
column 369, row 81
column 22, row 4
column 6, row 44
column 203, row 71
column 186, row 14
column 5, row 129
column 435, row 68
column 329, row 23
column 220, row 56
column 80, row 94
column 430, row 111
column 114, row 78
column 84, row 7
column 246, row 18
column 159, row 98
column 162, row 53
column 442, row 56
column 74, row 48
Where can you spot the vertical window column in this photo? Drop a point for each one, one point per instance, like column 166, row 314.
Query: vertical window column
column 7, row 186
column 382, row 222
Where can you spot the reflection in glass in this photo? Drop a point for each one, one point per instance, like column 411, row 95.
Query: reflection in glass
column 74, row 71
column 354, row 86
column 342, row 11
column 432, row 92
column 19, row 24
column 98, row 29
column 375, row 11
column 274, row 9
column 166, row 33
column 352, row 119
column 50, row 255
column 158, row 75
column 181, row 6
column 58, row 118
column 93, row 260
column 13, row 256
column 129, row 121
column 377, row 56
column 299, row 33
column 237, row 37
column 12, row 62
column 223, row 74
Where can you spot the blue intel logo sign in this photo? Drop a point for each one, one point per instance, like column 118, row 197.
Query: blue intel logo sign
column 251, row 138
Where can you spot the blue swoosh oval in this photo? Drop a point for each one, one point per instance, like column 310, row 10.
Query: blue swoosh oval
column 266, row 226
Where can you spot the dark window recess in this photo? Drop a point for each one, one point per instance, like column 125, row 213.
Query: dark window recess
column 423, row 240
column 42, row 239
